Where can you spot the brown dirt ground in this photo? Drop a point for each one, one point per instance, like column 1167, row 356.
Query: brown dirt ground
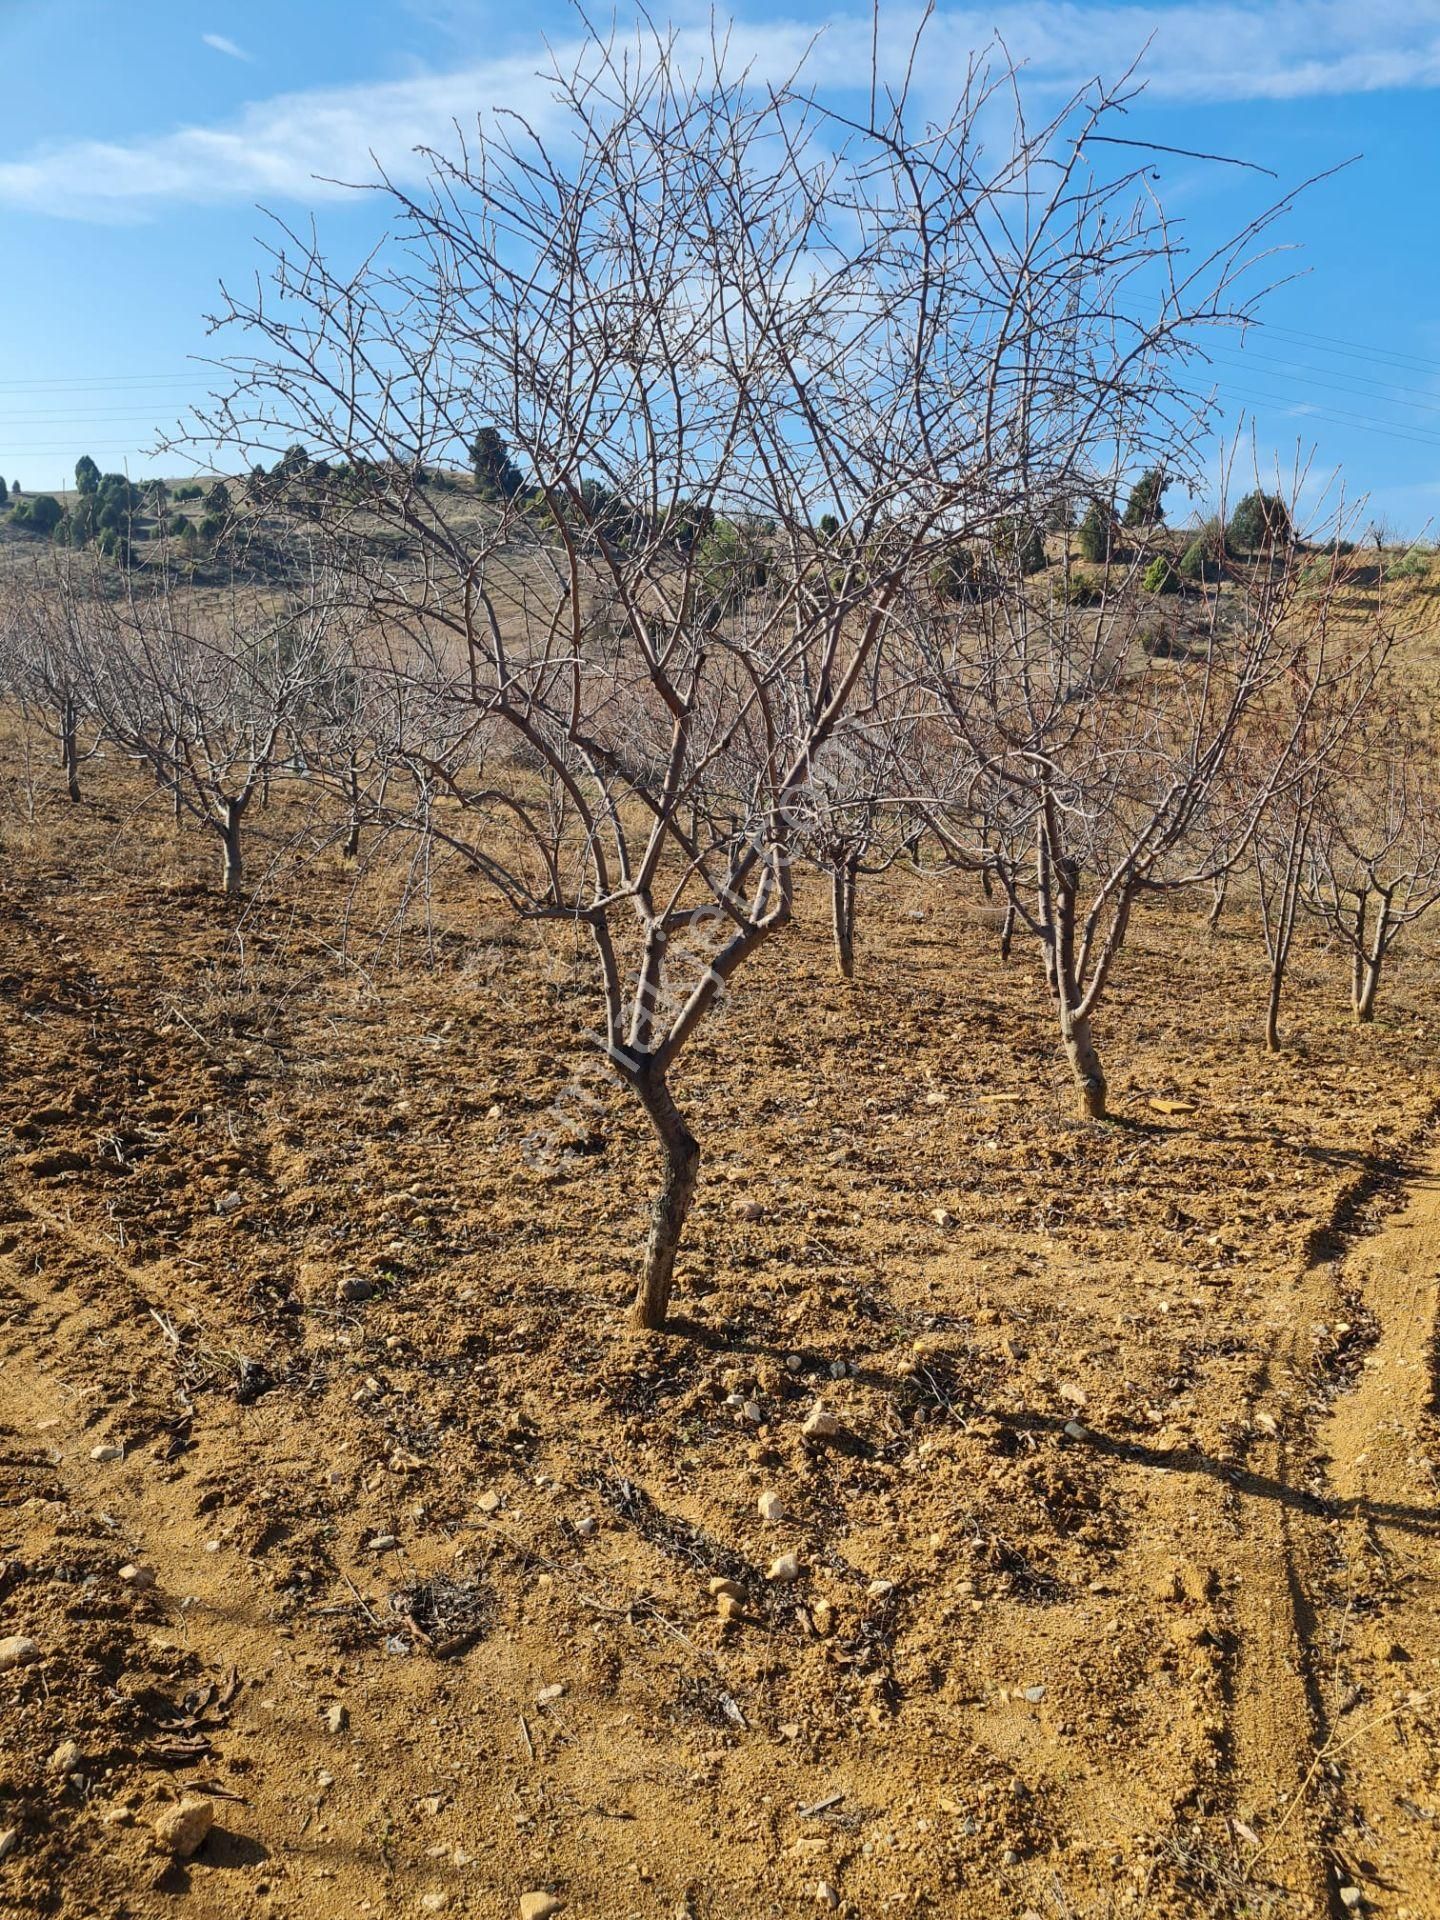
column 1185, row 1663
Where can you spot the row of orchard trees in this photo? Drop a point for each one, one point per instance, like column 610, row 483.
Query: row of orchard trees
column 760, row 376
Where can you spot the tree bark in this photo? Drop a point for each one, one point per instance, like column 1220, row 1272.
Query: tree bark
column 1085, row 1065
column 352, row 839
column 1272, row 1010
column 1007, row 930
column 233, row 867
column 842, row 912
column 1367, row 981
column 68, row 751
column 680, row 1172
column 1217, row 901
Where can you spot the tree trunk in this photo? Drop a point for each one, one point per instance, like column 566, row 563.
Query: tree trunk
column 1367, row 980
column 1084, row 1065
column 1217, row 903
column 680, row 1172
column 1272, row 1010
column 68, row 752
column 842, row 912
column 352, row 839
column 1007, row 930
column 233, row 870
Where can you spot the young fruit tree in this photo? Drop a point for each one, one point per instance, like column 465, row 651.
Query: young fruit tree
column 205, row 690
column 1088, row 773
column 1373, row 849
column 40, row 665
column 686, row 326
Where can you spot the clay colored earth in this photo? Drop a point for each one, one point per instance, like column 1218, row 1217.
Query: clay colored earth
column 336, row 1494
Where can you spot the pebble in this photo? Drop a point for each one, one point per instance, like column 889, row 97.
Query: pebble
column 785, row 1568
column 1009, row 1858
column 67, row 1758
column 586, row 1527
column 17, row 1651
column 880, row 1589
column 1075, row 1431
column 488, row 1503
column 753, row 1412
column 355, row 1289
column 337, row 1718
column 434, row 1902
column 539, row 1906
column 547, row 1696
column 826, row 1894
column 771, row 1506
column 138, row 1577
column 1351, row 1897
column 107, row 1451
column 750, row 1210
column 719, row 1588
column 9, row 1841
column 181, row 1831
column 382, row 1543
column 729, row 1608
column 820, row 1423
column 1034, row 1695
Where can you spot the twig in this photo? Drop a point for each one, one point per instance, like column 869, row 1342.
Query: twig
column 1331, row 1746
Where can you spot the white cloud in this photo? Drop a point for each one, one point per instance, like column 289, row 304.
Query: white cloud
column 292, row 145
column 222, row 44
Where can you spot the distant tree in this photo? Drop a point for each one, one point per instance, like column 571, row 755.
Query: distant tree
column 42, row 514
column 1260, row 520
column 829, row 526
column 178, row 526
column 217, row 500
column 1099, row 539
column 1144, row 508
column 1205, row 557
column 15, row 488
column 1160, row 575
column 496, row 475
column 1020, row 546
column 211, row 527
column 87, row 475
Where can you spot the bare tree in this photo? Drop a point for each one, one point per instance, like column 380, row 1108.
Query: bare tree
column 39, row 661
column 1373, row 852
column 1087, row 773
column 689, row 312
column 203, row 688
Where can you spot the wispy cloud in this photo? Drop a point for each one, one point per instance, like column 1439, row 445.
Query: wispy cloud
column 223, row 44
column 294, row 146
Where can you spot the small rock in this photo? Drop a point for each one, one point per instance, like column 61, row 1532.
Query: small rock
column 107, row 1451
column 434, row 1902
column 826, row 1894
column 1074, row 1430
column 771, row 1506
column 729, row 1608
column 838, row 1369
column 9, row 1841
column 337, row 1718
column 880, row 1589
column 1034, row 1695
column 942, row 1217
column 717, row 1588
column 488, row 1503
column 181, row 1831
column 381, row 1543
column 1009, row 1858
column 539, row 1906
column 785, row 1569
column 750, row 1210
column 67, row 1758
column 753, row 1412
column 1075, row 1395
column 355, row 1289
column 547, row 1696
column 822, row 1617
column 586, row 1527
column 138, row 1577
column 1351, row 1897
column 17, row 1651
column 820, row 1423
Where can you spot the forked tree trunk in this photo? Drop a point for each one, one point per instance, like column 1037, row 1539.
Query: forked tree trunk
column 1219, row 889
column 1366, row 983
column 680, row 1172
column 842, row 913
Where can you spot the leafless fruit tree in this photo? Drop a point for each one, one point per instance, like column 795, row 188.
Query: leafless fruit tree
column 682, row 311
column 206, row 689
column 39, row 666
column 1373, row 852
column 1087, row 772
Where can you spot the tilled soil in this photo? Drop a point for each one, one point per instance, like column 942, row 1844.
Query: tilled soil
column 1117, row 1586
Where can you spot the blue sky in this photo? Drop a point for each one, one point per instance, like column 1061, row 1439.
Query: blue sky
column 142, row 140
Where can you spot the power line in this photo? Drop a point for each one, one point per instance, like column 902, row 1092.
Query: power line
column 1354, row 421
column 1351, row 349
